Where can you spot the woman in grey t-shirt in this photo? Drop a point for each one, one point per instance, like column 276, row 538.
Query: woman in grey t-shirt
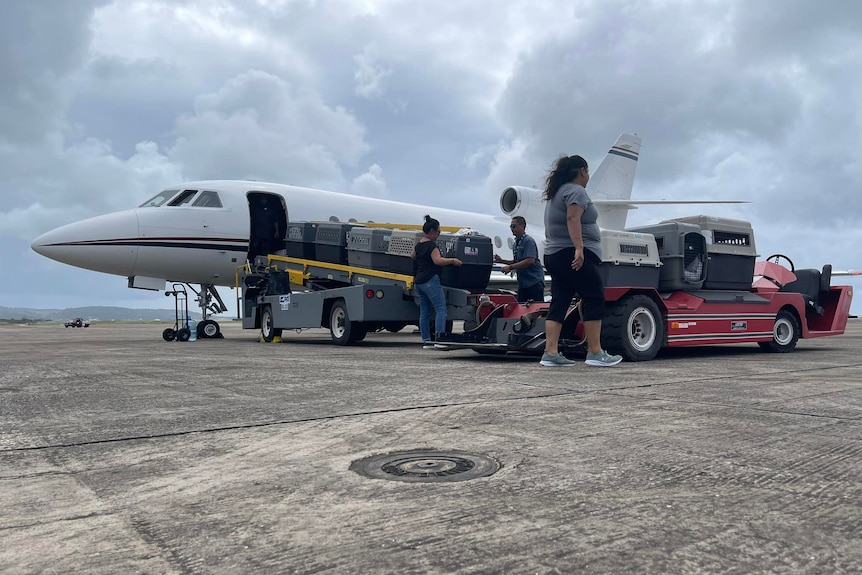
column 573, row 254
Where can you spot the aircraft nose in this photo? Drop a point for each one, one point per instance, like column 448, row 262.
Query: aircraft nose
column 104, row 244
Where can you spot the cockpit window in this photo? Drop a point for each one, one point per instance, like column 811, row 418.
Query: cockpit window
column 159, row 199
column 208, row 200
column 184, row 198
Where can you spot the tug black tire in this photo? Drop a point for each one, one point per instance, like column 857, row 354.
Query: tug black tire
column 633, row 327
column 785, row 334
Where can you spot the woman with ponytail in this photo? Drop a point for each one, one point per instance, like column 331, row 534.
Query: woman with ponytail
column 427, row 264
column 573, row 254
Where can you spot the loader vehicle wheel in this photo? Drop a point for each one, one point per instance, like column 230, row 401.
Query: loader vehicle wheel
column 266, row 330
column 633, row 327
column 184, row 334
column 361, row 331
column 209, row 329
column 776, row 259
column 169, row 335
column 785, row 334
column 342, row 330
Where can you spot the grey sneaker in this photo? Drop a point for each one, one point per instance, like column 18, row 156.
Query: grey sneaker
column 602, row 359
column 556, row 360
column 428, row 345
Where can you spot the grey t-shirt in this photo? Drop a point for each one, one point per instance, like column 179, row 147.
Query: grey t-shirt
column 557, row 232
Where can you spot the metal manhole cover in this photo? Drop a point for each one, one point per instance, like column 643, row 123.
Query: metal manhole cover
column 426, row 466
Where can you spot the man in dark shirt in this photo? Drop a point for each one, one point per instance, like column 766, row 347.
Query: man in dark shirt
column 531, row 275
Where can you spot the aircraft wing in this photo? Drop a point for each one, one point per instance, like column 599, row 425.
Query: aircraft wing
column 847, row 272
column 649, row 202
column 508, row 281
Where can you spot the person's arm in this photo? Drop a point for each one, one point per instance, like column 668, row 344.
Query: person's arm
column 524, row 263
column 499, row 260
column 573, row 223
column 441, row 261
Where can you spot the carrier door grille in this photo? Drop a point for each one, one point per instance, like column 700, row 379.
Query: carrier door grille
column 634, row 249
column 731, row 238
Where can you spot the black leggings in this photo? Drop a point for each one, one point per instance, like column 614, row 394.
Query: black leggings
column 566, row 282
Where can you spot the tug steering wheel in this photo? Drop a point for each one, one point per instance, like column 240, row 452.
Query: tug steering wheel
column 775, row 258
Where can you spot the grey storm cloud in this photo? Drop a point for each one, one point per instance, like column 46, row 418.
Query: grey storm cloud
column 259, row 126
column 106, row 102
column 705, row 96
column 41, row 45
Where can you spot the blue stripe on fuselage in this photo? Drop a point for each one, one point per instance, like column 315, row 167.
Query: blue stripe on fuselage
column 243, row 248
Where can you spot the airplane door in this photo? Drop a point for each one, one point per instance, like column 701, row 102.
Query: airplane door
column 267, row 223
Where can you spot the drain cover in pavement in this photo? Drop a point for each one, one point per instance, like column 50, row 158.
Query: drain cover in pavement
column 426, row 466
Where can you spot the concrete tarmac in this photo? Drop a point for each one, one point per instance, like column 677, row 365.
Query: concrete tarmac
column 123, row 453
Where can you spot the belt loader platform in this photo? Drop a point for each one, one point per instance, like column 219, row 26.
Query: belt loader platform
column 293, row 293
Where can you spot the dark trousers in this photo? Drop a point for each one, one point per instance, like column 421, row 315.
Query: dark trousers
column 535, row 292
column 566, row 282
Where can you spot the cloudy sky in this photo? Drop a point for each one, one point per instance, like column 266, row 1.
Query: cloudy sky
column 103, row 103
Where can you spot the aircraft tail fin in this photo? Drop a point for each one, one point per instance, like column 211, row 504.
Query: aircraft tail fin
column 613, row 180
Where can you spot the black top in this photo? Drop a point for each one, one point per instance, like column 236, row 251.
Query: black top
column 424, row 267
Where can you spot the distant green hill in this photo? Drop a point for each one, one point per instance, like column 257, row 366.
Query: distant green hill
column 94, row 313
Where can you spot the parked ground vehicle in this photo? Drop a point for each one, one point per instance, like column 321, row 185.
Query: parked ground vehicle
column 354, row 279
column 77, row 322
column 640, row 321
column 699, row 285
column 350, row 301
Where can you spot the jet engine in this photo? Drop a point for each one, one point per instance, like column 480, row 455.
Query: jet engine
column 525, row 202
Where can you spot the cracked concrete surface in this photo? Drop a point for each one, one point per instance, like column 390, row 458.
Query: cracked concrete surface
column 123, row 453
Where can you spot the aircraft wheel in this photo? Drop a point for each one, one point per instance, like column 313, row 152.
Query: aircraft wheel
column 342, row 330
column 785, row 333
column 633, row 328
column 169, row 334
column 266, row 330
column 184, row 334
column 209, row 329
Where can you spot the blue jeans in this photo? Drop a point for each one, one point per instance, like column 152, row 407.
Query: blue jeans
column 431, row 301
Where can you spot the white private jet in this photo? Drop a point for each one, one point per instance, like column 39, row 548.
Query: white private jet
column 199, row 232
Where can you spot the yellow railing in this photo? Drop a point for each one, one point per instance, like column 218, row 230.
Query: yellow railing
column 303, row 275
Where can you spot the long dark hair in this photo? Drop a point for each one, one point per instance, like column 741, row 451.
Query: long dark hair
column 430, row 224
column 565, row 170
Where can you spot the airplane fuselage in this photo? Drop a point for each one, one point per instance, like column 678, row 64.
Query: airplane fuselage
column 202, row 232
column 206, row 244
